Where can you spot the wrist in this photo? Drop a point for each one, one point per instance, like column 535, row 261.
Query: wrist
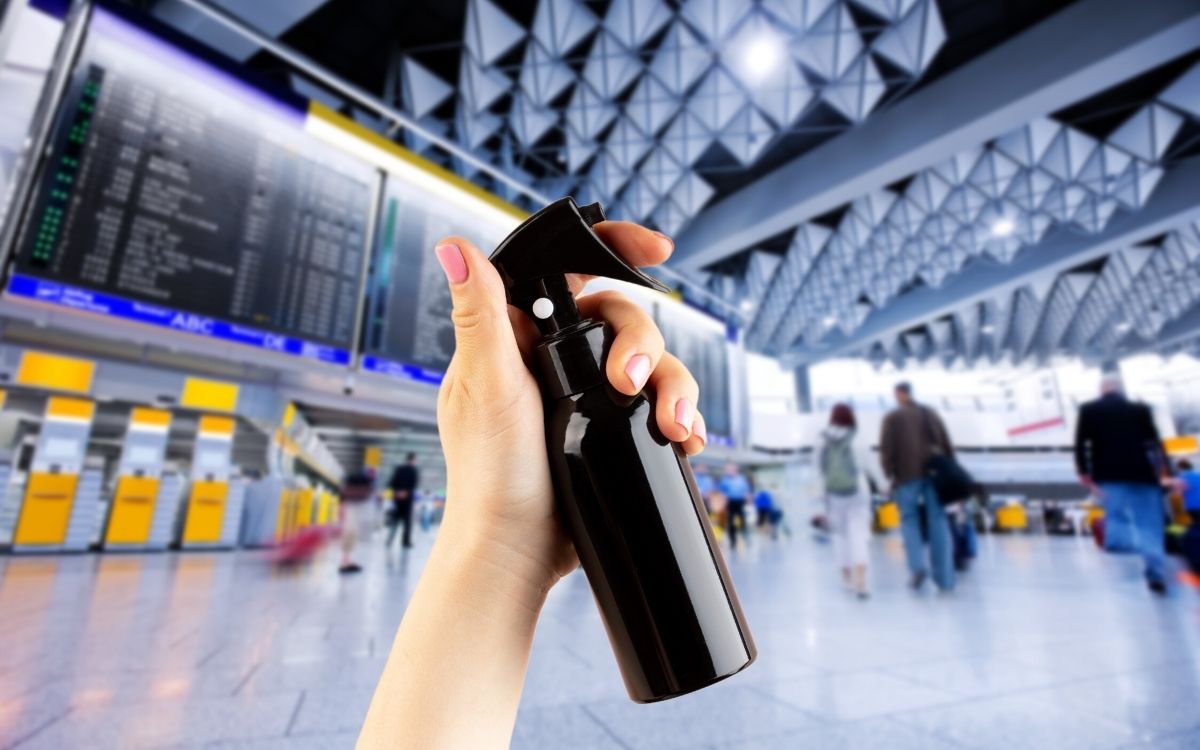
column 481, row 557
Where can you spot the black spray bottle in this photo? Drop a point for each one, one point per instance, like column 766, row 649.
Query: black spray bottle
column 626, row 493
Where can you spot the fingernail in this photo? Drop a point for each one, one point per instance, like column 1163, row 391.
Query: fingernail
column 699, row 430
column 668, row 239
column 683, row 414
column 638, row 370
column 453, row 262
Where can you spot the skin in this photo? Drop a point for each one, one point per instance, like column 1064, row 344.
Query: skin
column 457, row 666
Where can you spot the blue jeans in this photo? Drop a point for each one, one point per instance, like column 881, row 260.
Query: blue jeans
column 910, row 496
column 1136, row 512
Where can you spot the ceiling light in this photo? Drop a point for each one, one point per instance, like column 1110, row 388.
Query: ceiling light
column 1003, row 227
column 829, row 321
column 987, row 328
column 757, row 53
column 1123, row 326
column 747, row 305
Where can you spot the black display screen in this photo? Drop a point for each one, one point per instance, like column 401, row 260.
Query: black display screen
column 173, row 183
column 407, row 330
column 704, row 351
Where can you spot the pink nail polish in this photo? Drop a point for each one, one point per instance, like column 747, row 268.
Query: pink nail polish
column 452, row 261
column 699, row 430
column 638, row 370
column 683, row 414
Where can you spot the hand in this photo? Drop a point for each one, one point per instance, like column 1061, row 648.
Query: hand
column 490, row 407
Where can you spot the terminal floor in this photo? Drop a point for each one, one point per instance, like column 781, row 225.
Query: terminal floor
column 1046, row 644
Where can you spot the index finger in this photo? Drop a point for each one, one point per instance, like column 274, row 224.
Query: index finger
column 635, row 243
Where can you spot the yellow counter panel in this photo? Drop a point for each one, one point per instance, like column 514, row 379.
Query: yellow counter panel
column 46, row 512
column 133, row 510
column 206, row 512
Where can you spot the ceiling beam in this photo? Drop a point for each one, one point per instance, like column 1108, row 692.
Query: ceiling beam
column 1081, row 51
column 1175, row 202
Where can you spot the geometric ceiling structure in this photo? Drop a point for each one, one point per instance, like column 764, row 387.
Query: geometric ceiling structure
column 633, row 107
column 987, row 202
column 901, row 179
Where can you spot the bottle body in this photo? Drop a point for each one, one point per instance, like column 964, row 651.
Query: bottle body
column 627, row 497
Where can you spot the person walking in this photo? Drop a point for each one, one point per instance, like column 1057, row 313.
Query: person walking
column 1120, row 460
column 912, row 434
column 404, row 491
column 842, row 465
column 736, row 488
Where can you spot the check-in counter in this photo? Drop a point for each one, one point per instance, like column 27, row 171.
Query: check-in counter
column 60, row 501
column 212, row 513
column 144, row 499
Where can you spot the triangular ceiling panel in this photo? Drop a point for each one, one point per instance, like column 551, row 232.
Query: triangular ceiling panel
column 489, row 31
column 914, row 41
column 680, row 59
column 422, row 91
column 543, row 76
column 611, row 66
column 832, row 45
column 588, row 113
column 562, row 24
column 651, row 105
column 635, row 21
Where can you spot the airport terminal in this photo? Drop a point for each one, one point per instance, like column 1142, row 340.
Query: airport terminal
column 599, row 374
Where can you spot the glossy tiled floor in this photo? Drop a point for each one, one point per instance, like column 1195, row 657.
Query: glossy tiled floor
column 1047, row 644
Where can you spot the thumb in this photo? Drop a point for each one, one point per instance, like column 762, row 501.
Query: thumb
column 483, row 336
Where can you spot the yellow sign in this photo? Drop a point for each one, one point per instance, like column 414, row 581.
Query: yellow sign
column 373, row 457
column 42, row 370
column 147, row 417
column 61, row 407
column 289, row 414
column 210, row 425
column 216, row 395
column 1183, row 445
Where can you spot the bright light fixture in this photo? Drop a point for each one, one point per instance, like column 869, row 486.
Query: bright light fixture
column 829, row 321
column 1003, row 227
column 761, row 55
column 757, row 52
column 987, row 328
column 1123, row 326
column 747, row 305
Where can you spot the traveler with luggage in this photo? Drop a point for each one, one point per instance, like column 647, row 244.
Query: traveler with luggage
column 914, row 440
column 842, row 465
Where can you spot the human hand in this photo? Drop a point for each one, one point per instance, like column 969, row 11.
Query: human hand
column 490, row 407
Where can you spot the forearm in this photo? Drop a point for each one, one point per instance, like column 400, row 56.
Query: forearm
column 457, row 666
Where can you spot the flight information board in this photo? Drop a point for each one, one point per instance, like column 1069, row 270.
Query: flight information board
column 407, row 330
column 177, row 194
column 705, row 353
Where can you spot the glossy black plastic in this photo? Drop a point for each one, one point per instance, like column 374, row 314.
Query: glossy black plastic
column 628, row 498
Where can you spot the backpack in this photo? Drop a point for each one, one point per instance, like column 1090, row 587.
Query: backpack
column 841, row 473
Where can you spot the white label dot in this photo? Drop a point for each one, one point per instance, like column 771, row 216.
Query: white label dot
column 543, row 308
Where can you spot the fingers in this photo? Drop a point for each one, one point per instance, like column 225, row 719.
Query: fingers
column 483, row 336
column 677, row 394
column 637, row 345
column 638, row 245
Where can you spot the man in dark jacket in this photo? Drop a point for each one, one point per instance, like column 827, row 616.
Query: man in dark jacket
column 1119, row 457
column 404, row 490
column 911, row 434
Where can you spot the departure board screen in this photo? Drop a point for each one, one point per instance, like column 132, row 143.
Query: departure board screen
column 177, row 194
column 408, row 332
column 703, row 350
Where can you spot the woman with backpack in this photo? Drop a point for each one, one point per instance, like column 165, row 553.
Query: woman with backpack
column 842, row 465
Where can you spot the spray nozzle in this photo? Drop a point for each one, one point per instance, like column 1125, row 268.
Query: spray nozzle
column 534, row 260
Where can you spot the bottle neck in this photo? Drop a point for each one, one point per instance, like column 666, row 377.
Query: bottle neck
column 572, row 360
